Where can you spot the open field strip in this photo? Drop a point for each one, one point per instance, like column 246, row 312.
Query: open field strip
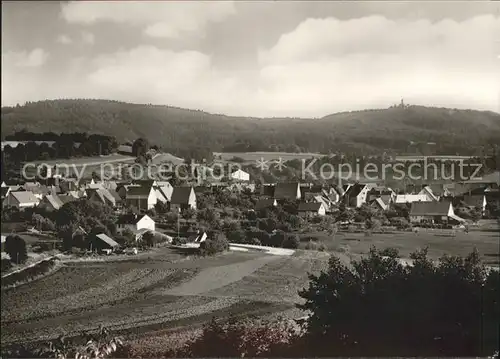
column 132, row 297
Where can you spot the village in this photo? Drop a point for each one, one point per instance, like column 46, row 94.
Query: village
column 147, row 212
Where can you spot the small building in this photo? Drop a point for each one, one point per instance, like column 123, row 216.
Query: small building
column 240, row 175
column 308, row 209
column 289, row 191
column 21, row 200
column 141, row 197
column 102, row 242
column 135, row 222
column 265, row 203
column 433, row 212
column 183, row 198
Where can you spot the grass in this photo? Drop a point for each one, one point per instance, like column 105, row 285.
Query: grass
column 268, row 156
column 439, row 242
column 121, row 294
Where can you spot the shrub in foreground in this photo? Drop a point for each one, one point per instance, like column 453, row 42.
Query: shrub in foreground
column 217, row 243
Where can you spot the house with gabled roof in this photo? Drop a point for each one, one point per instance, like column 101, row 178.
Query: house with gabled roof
column 21, row 199
column 183, row 198
column 51, row 202
column 141, row 197
column 101, row 195
column 240, row 175
column 308, row 209
column 356, row 195
column 136, row 223
column 433, row 212
column 102, row 242
column 289, row 191
column 385, row 193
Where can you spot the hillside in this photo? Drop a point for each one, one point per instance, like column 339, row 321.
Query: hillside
column 454, row 131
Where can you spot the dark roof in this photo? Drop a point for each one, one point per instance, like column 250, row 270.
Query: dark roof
column 264, row 203
column 144, row 182
column 138, row 191
column 180, row 195
column 128, row 218
column 354, row 190
column 312, row 189
column 309, row 206
column 4, row 191
column 54, row 200
column 108, row 240
column 430, row 208
column 286, row 190
column 115, row 195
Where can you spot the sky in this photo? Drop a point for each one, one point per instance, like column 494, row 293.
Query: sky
column 260, row 58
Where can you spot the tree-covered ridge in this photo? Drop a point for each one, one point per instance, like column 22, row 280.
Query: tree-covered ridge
column 462, row 131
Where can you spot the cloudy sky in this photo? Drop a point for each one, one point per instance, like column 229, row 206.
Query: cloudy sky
column 256, row 59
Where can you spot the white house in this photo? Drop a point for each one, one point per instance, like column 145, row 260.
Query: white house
column 145, row 222
column 21, row 199
column 240, row 175
column 137, row 224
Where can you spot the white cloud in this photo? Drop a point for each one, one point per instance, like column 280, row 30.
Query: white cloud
column 148, row 74
column 158, row 19
column 35, row 58
column 64, row 39
column 88, row 38
column 321, row 67
column 327, row 65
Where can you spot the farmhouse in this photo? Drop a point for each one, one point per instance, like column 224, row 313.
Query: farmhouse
column 287, row 191
column 183, row 198
column 433, row 212
column 141, row 197
column 21, row 200
column 308, row 209
column 240, row 175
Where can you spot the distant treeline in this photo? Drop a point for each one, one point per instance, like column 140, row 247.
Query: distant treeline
column 178, row 130
column 49, row 145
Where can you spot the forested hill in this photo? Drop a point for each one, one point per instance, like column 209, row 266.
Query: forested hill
column 453, row 131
